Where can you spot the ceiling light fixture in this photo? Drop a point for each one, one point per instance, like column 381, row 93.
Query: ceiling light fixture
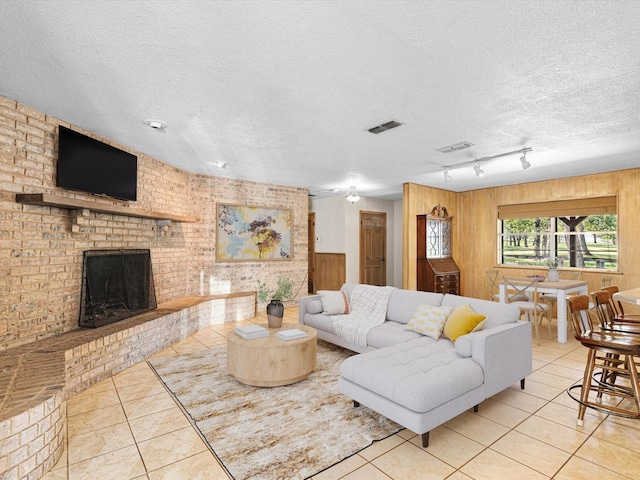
column 352, row 195
column 220, row 164
column 481, row 161
column 156, row 124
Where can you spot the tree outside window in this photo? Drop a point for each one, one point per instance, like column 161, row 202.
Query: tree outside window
column 581, row 241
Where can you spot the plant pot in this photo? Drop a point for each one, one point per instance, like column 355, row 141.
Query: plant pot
column 275, row 312
column 554, row 275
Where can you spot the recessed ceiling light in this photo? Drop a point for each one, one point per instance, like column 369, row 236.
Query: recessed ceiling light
column 156, row 124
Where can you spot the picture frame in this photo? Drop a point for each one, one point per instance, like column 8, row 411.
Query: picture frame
column 247, row 233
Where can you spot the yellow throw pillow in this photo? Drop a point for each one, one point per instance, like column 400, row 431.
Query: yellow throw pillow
column 461, row 321
column 429, row 320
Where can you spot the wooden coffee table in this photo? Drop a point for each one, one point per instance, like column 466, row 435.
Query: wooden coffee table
column 269, row 361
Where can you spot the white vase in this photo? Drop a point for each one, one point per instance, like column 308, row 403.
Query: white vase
column 554, row 275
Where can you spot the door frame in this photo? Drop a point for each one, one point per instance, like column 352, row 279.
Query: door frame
column 361, row 254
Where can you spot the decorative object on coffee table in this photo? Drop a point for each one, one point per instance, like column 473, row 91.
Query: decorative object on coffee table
column 270, row 361
column 275, row 309
column 275, row 312
column 251, row 332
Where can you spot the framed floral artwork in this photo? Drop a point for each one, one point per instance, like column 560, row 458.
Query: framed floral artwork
column 249, row 233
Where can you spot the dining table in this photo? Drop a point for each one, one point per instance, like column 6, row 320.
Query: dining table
column 562, row 289
column 629, row 296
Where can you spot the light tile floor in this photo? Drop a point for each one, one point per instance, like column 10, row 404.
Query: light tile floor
column 129, row 427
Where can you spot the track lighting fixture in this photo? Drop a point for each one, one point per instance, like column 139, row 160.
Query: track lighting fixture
column 352, row 195
column 477, row 163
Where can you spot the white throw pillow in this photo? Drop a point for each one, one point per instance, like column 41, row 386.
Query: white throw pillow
column 314, row 306
column 429, row 320
column 334, row 303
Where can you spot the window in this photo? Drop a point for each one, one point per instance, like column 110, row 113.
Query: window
column 582, row 233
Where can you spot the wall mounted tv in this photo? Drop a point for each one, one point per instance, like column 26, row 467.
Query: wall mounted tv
column 88, row 165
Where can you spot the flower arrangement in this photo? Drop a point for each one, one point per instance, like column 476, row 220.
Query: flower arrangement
column 283, row 292
column 553, row 262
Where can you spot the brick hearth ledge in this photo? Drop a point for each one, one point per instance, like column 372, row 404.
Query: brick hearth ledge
column 37, row 378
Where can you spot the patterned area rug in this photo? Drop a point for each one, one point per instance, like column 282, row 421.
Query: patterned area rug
column 289, row 432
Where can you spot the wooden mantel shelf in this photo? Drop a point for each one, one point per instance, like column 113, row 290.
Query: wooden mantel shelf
column 49, row 200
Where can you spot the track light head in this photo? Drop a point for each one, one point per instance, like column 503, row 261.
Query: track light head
column 479, row 171
column 524, row 162
column 447, row 177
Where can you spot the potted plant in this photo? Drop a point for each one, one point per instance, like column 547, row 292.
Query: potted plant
column 275, row 308
column 553, row 263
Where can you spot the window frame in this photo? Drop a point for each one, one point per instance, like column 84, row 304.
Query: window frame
column 548, row 244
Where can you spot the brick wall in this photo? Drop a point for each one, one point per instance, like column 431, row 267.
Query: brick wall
column 41, row 247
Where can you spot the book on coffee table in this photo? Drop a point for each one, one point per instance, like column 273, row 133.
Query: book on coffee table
column 249, row 332
column 291, row 334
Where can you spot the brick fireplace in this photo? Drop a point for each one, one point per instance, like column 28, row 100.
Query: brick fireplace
column 116, row 284
column 42, row 255
column 43, row 246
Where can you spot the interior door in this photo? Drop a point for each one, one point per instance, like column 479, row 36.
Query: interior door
column 373, row 248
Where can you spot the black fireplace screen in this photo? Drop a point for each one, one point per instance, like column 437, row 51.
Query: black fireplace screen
column 116, row 284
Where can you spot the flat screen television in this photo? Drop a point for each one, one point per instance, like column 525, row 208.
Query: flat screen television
column 91, row 166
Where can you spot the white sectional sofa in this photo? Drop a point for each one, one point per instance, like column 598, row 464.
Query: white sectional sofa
column 420, row 382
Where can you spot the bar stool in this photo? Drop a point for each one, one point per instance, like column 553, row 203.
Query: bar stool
column 607, row 315
column 611, row 356
column 617, row 308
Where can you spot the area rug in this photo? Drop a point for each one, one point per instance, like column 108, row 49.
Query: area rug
column 289, row 432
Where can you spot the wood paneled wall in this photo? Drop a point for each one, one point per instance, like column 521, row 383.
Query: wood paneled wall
column 475, row 225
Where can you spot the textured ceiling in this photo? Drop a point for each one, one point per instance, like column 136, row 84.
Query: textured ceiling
column 284, row 91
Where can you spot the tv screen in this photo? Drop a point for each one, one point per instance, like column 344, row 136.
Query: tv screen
column 88, row 165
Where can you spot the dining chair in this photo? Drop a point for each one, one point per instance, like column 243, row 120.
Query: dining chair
column 611, row 356
column 493, row 282
column 532, row 308
column 552, row 298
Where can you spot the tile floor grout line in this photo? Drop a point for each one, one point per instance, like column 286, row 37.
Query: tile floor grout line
column 191, row 421
column 135, row 440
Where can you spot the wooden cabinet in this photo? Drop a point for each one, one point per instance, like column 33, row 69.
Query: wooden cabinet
column 437, row 270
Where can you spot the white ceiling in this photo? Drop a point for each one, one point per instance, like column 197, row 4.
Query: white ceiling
column 284, row 91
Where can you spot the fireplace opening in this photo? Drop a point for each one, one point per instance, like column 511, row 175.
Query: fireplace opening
column 116, row 284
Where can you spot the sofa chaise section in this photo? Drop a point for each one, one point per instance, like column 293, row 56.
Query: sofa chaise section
column 418, row 381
